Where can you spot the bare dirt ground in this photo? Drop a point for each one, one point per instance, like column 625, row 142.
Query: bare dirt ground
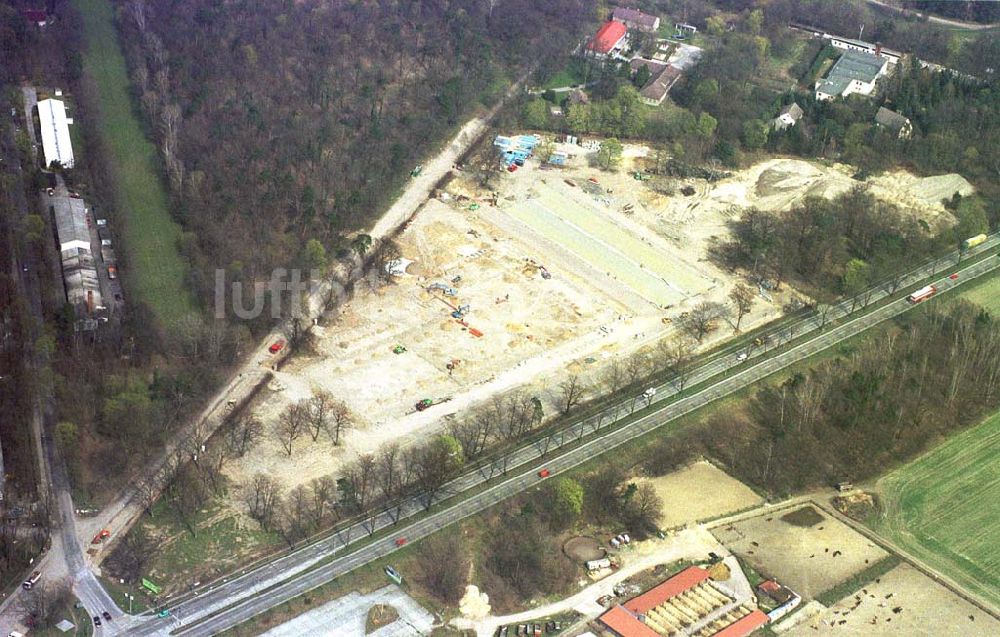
column 700, row 491
column 808, row 559
column 620, row 261
column 903, row 602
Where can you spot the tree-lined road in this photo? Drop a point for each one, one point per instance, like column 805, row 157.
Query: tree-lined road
column 229, row 603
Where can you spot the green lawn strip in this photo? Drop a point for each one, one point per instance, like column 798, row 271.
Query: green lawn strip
column 833, row 595
column 985, row 293
column 943, row 508
column 118, row 591
column 156, row 271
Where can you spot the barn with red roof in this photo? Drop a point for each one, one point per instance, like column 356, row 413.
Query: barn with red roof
column 688, row 604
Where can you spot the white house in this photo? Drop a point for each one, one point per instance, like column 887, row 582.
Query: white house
column 56, row 144
column 789, row 116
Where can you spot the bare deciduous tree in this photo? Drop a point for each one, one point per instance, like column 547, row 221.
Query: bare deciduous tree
column 242, row 433
column 678, row 355
column 743, row 297
column 702, row 317
column 290, row 425
column 570, row 392
column 262, row 496
column 319, row 412
column 339, row 421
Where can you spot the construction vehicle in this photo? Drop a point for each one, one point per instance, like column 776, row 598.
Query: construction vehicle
column 416, row 171
column 545, row 272
column 427, row 403
column 638, row 176
column 460, row 312
column 474, row 206
column 398, row 349
column 445, row 289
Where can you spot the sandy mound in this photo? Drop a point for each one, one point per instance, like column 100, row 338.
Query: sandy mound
column 474, row 605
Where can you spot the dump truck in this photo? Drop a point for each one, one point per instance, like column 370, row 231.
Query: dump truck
column 972, row 242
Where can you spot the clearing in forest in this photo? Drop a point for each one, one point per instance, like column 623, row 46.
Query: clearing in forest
column 945, row 508
column 155, row 273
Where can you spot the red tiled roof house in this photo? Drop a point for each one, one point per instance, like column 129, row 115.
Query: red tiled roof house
column 609, row 39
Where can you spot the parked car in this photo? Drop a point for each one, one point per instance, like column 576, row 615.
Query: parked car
column 277, row 346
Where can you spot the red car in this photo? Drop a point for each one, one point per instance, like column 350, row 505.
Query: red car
column 100, row 537
column 277, row 346
column 544, row 473
column 400, row 541
column 953, row 276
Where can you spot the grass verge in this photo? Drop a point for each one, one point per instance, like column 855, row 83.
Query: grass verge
column 156, row 271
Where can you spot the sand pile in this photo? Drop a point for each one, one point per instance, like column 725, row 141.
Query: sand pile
column 474, row 605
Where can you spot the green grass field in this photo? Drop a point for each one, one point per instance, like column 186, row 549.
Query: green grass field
column 986, row 294
column 155, row 273
column 944, row 507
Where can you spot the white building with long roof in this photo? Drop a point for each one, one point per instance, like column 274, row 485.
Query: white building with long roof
column 56, row 143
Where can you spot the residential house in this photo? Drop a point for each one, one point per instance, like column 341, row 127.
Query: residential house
column 577, row 96
column 662, row 78
column 854, row 72
column 635, row 19
column 895, row 122
column 609, row 40
column 789, row 116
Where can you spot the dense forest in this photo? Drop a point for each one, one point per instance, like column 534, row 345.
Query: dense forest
column 285, row 121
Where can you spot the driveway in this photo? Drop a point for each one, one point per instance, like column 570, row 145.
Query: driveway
column 346, row 616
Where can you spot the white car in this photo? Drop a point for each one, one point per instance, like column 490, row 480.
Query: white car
column 742, row 356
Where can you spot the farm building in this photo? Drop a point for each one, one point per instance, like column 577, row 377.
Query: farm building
column 79, row 270
column 854, row 72
column 56, row 143
column 635, row 19
column 895, row 122
column 71, row 223
column 608, row 40
column 789, row 116
column 688, row 603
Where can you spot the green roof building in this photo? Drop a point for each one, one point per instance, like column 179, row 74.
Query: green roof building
column 853, row 72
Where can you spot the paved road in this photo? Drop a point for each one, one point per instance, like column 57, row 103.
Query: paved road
column 63, row 562
column 228, row 603
column 969, row 26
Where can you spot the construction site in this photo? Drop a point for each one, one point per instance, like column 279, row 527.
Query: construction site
column 551, row 270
